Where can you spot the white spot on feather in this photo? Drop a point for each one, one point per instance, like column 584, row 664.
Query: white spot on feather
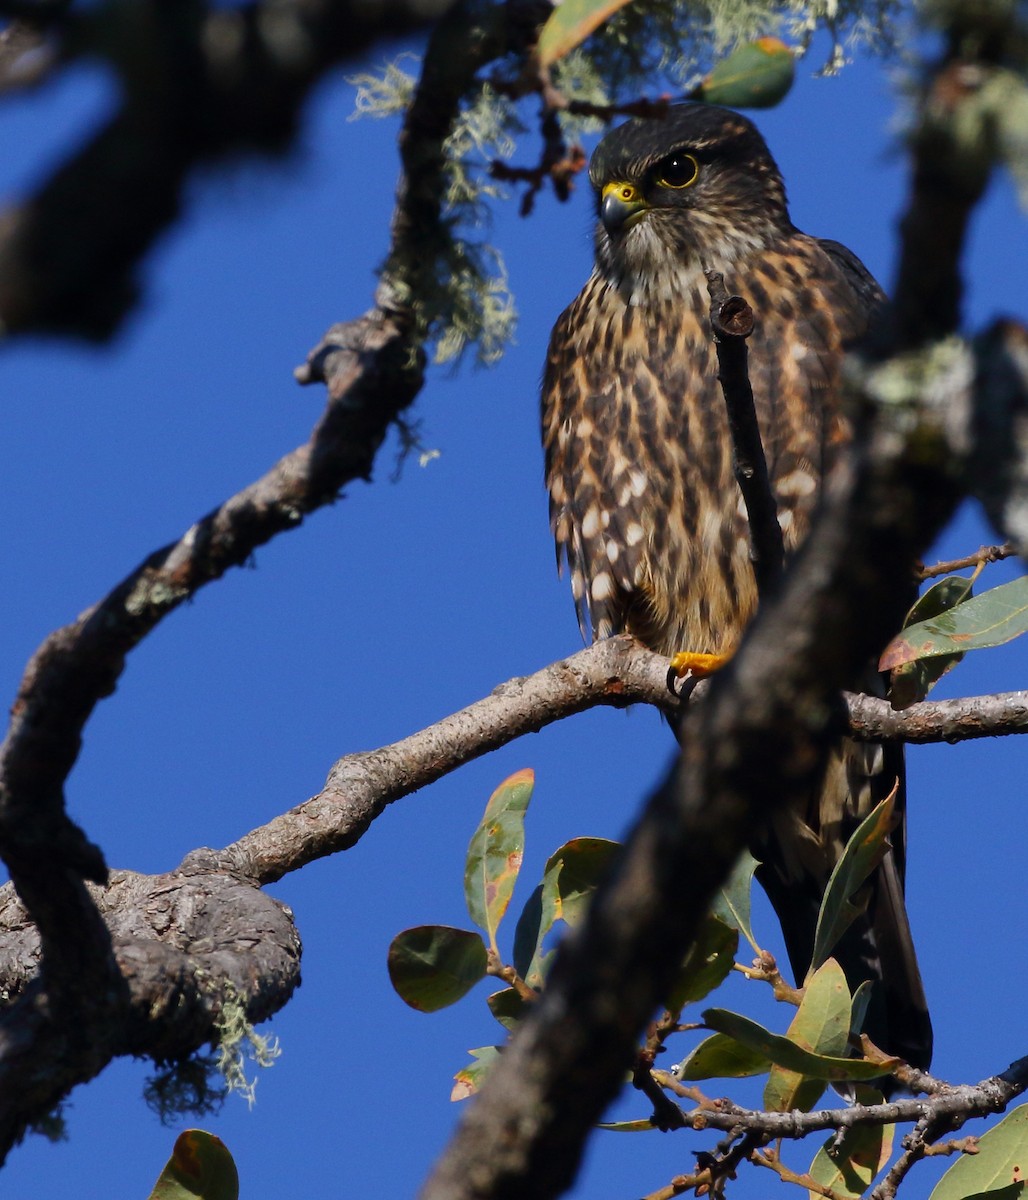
column 796, row 483
column 602, row 587
column 591, row 523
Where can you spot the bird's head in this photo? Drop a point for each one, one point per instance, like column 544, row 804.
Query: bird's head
column 696, row 188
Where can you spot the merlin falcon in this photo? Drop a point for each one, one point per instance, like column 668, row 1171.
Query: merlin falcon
column 643, row 501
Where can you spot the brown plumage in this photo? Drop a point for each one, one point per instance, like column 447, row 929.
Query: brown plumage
column 644, row 506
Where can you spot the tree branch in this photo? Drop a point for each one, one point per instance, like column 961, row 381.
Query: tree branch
column 614, row 673
column 185, row 947
column 731, row 319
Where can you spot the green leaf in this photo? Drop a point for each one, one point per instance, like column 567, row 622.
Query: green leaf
column 864, row 851
column 200, row 1167
column 821, row 1025
column 570, row 24
column 640, row 1125
column 537, row 919
column 994, row 617
column 584, row 862
column 732, row 903
column 998, row 1171
column 913, row 681
column 494, row 855
column 469, row 1079
column 710, row 959
column 787, row 1054
column 432, row 966
column 507, row 1007
column 722, row 1057
column 757, row 75
column 861, row 1002
column 849, row 1166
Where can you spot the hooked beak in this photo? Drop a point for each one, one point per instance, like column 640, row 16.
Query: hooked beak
column 621, row 206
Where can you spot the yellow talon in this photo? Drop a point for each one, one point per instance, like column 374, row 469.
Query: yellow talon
column 687, row 662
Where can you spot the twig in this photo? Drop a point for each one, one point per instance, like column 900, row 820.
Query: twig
column 964, row 1145
column 732, row 321
column 666, row 1114
column 985, row 554
column 787, row 1175
column 915, row 1145
column 558, row 163
column 765, row 969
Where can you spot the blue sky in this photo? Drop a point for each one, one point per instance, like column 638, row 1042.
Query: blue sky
column 402, row 603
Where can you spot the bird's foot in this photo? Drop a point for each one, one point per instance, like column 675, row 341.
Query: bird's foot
column 688, row 662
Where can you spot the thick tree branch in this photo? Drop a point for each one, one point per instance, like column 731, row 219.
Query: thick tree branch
column 185, row 948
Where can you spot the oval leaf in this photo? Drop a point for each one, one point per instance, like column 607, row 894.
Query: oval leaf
column 537, row 918
column 584, row 862
column 722, row 1057
column 732, row 903
column 570, row 24
column 939, row 598
column 998, row 1170
column 200, row 1168
column 757, row 75
column 495, row 852
column 432, row 966
column 710, row 959
column 864, row 851
column 913, row 681
column 787, row 1054
column 507, row 1007
column 848, row 1166
column 991, row 619
column 821, row 1025
column 469, row 1079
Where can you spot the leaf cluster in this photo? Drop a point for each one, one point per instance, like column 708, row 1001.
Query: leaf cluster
column 433, row 966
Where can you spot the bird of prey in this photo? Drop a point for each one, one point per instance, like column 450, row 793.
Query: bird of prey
column 643, row 501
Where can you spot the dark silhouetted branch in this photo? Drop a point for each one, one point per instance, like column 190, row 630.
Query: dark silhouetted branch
column 216, row 83
column 731, row 318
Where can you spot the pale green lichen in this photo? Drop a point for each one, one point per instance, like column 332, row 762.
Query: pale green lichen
column 240, row 1044
column 385, row 93
column 199, row 1084
column 456, row 284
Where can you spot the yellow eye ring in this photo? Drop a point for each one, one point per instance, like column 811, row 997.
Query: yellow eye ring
column 678, row 170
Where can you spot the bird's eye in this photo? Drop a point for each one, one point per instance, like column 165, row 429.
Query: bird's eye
column 678, row 170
